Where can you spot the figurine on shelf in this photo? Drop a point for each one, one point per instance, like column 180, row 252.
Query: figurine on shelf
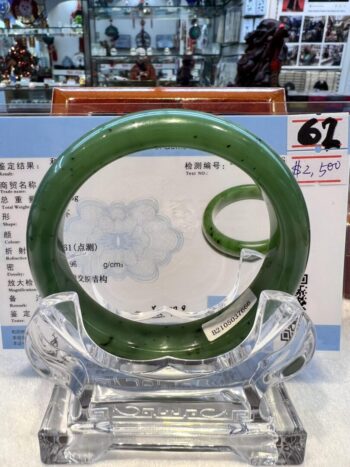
column 266, row 50
column 13, row 76
column 78, row 60
column 143, row 69
column 26, row 11
column 184, row 75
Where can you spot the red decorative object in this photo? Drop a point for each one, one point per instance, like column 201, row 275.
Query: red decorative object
column 143, row 70
column 119, row 101
column 262, row 60
column 19, row 61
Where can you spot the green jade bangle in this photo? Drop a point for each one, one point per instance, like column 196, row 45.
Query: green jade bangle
column 215, row 237
column 283, row 266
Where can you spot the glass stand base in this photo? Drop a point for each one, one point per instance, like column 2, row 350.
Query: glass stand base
column 259, row 430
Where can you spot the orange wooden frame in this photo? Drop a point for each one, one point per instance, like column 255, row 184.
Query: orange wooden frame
column 224, row 101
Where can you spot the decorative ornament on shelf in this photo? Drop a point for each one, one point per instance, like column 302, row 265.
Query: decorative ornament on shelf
column 141, row 52
column 143, row 69
column 2, row 68
column 112, row 32
column 195, row 30
column 4, row 11
column 193, row 34
column 126, row 9
column 184, row 75
column 144, row 8
column 67, row 62
column 26, row 11
column 78, row 60
column 31, row 42
column 143, row 39
column 77, row 15
column 204, row 37
column 262, row 60
column 105, row 49
column 50, row 42
column 12, row 76
column 19, row 62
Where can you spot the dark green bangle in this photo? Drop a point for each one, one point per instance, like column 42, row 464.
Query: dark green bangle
column 282, row 269
column 215, row 237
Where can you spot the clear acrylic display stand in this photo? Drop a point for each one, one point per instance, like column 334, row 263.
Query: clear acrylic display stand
column 146, row 238
column 235, row 402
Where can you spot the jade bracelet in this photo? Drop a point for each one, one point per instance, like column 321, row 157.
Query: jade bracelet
column 287, row 250
column 215, row 237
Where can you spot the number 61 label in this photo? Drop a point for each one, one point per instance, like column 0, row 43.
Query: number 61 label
column 318, row 132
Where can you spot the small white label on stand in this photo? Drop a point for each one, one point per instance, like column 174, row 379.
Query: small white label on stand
column 317, row 132
column 220, row 325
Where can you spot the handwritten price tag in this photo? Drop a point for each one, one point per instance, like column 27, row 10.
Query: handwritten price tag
column 317, row 132
column 329, row 167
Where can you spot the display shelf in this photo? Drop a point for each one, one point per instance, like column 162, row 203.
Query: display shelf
column 153, row 55
column 70, row 72
column 123, row 12
column 51, row 31
column 231, row 44
column 159, row 4
column 315, row 68
column 21, row 99
column 37, row 87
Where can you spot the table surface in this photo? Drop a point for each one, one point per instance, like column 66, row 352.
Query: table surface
column 321, row 395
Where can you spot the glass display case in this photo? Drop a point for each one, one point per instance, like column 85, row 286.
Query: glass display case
column 170, row 42
column 41, row 45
